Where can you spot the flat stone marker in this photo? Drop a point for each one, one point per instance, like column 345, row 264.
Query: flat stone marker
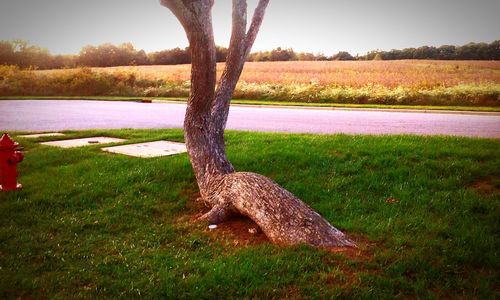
column 37, row 135
column 150, row 149
column 83, row 142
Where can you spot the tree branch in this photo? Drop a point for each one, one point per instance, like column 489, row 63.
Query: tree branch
column 180, row 11
column 189, row 13
column 258, row 16
column 233, row 67
column 239, row 49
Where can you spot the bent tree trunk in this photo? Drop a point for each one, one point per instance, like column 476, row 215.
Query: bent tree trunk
column 282, row 217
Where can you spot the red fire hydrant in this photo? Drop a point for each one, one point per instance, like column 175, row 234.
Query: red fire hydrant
column 9, row 158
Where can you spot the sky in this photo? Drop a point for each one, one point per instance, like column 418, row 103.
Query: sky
column 326, row 26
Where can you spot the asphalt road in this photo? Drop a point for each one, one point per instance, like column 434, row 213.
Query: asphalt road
column 45, row 115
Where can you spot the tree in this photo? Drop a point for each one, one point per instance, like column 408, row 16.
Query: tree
column 446, row 52
column 220, row 53
column 281, row 216
column 378, row 56
column 7, row 53
column 343, row 55
column 279, row 54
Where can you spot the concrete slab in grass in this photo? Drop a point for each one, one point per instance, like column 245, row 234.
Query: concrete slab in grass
column 83, row 142
column 150, row 149
column 38, row 135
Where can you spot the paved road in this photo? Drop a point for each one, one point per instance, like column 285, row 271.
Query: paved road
column 38, row 115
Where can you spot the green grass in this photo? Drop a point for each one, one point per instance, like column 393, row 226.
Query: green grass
column 90, row 224
column 271, row 103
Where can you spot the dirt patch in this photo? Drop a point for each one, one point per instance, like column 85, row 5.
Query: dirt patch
column 241, row 231
column 292, row 292
column 352, row 252
column 391, row 200
column 336, row 153
column 363, row 251
column 238, row 231
column 350, row 264
column 485, row 187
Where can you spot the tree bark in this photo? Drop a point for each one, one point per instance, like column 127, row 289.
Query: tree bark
column 282, row 217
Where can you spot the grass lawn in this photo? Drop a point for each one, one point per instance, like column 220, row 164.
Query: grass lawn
column 268, row 102
column 424, row 210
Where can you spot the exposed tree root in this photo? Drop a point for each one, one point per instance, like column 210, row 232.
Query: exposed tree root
column 282, row 217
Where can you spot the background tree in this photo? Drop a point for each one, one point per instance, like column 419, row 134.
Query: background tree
column 343, row 55
column 221, row 53
column 20, row 53
column 174, row 56
column 282, row 217
column 108, row 55
column 6, row 53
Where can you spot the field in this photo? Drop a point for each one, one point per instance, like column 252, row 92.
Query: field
column 416, row 74
column 89, row 224
column 407, row 82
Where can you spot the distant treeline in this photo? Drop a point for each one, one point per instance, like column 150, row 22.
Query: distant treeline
column 23, row 55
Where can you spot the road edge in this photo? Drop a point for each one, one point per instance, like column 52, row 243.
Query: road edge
column 423, row 111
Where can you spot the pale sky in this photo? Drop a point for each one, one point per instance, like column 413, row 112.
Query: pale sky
column 327, row 26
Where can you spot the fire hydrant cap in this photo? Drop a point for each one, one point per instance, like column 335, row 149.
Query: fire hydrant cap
column 7, row 143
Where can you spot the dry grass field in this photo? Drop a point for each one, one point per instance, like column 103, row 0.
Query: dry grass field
column 403, row 82
column 391, row 74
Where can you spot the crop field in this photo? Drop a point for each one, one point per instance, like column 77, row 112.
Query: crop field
column 391, row 74
column 404, row 82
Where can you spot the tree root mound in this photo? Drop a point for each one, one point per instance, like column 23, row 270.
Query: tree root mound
column 283, row 218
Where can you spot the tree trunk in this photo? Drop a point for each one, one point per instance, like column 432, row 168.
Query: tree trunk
column 282, row 217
